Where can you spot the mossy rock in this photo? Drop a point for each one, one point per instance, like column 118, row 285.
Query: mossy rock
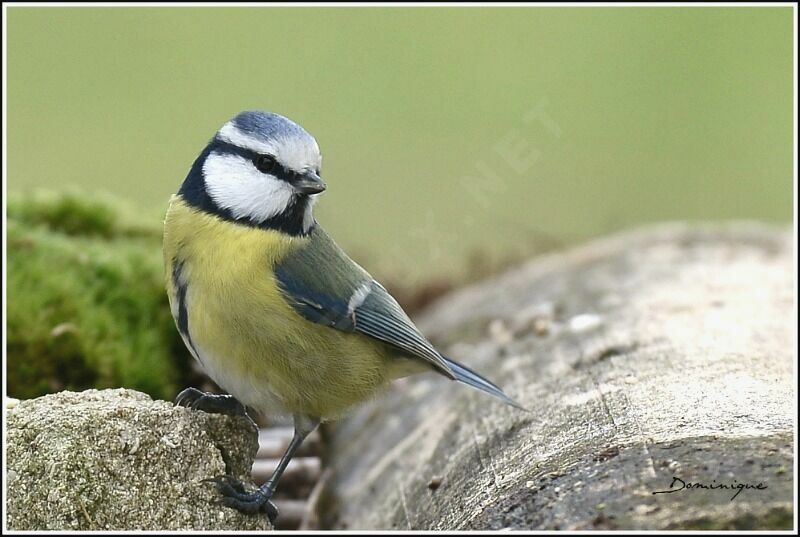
column 86, row 300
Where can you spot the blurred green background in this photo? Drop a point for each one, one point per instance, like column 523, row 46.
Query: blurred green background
column 445, row 131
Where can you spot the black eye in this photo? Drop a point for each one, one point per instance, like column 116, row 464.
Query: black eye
column 265, row 163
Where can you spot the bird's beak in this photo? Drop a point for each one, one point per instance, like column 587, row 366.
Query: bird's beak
column 309, row 183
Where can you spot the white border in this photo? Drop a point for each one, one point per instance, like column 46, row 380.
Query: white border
column 7, row 5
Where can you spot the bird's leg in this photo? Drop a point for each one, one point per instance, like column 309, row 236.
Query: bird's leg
column 213, row 403
column 233, row 492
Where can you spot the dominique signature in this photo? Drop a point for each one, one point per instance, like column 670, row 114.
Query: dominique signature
column 679, row 484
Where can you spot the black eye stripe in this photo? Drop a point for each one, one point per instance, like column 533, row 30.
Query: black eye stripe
column 276, row 169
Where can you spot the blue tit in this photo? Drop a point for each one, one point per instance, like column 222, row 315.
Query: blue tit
column 268, row 304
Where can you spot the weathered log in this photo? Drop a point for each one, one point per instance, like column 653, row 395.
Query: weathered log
column 644, row 358
column 117, row 460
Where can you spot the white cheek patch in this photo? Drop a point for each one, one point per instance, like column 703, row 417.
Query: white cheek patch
column 235, row 184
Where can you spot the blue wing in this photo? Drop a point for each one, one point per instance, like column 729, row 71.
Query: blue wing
column 363, row 306
column 314, row 305
column 327, row 287
column 377, row 315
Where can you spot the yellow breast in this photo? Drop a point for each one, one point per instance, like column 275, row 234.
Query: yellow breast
column 245, row 334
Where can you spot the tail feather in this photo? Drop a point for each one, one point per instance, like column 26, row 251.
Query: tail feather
column 471, row 378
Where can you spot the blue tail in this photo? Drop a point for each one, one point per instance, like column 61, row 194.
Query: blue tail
column 471, row 378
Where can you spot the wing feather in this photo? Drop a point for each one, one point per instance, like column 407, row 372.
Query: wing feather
column 382, row 318
column 318, row 280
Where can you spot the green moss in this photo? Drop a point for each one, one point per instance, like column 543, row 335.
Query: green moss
column 69, row 214
column 86, row 301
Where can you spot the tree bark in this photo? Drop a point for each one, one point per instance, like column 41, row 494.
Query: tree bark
column 647, row 360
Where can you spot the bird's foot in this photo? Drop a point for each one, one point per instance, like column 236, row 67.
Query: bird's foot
column 212, row 403
column 236, row 496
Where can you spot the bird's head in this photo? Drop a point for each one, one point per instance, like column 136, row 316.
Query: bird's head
column 259, row 169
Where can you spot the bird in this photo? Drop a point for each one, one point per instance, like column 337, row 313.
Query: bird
column 274, row 311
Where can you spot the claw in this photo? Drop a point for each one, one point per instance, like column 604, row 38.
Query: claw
column 235, row 495
column 187, row 397
column 252, row 505
column 229, row 486
column 194, row 399
column 271, row 510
